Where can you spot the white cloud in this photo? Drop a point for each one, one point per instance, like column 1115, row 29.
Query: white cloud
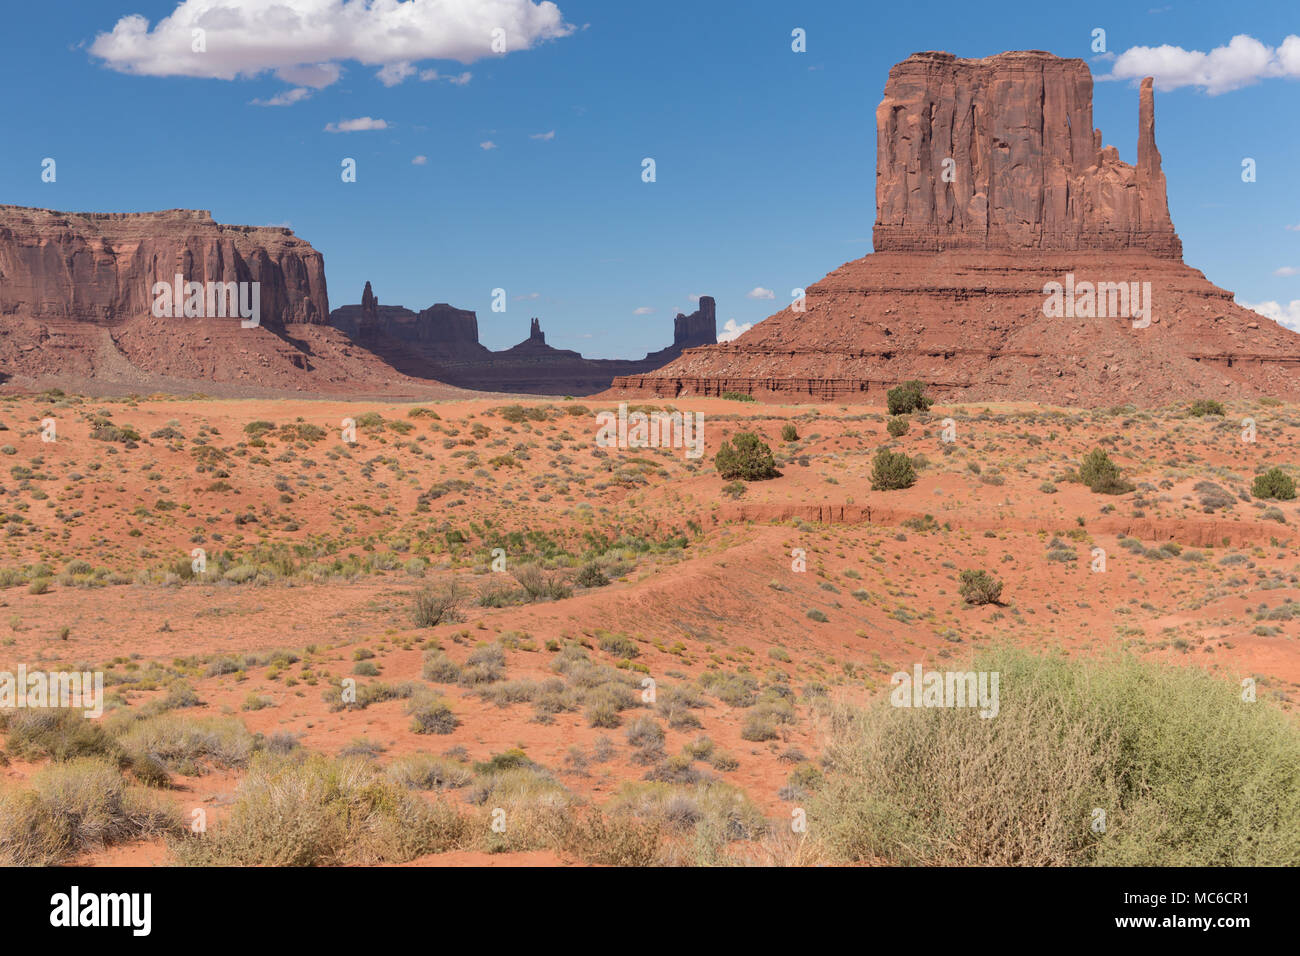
column 458, row 79
column 1243, row 62
column 1288, row 315
column 543, row 136
column 1285, row 271
column 693, row 298
column 758, row 292
column 359, row 125
column 528, row 295
column 644, row 310
column 732, row 331
column 304, row 41
column 1295, row 228
column 420, row 161
column 487, row 144
column 394, row 73
column 287, row 98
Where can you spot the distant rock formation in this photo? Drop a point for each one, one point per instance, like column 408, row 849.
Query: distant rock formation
column 991, row 185
column 76, row 307
column 441, row 343
column 368, row 325
column 100, row 268
column 698, row 328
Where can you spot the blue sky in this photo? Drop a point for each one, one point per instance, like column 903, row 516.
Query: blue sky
column 765, row 158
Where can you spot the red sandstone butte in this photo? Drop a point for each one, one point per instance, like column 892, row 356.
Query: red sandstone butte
column 76, row 305
column 992, row 182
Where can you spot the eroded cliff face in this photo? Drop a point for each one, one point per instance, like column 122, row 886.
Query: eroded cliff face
column 100, row 268
column 1001, row 153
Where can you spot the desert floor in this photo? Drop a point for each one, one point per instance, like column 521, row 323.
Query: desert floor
column 810, row 582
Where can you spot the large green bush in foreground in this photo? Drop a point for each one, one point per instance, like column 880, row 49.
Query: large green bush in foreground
column 1188, row 774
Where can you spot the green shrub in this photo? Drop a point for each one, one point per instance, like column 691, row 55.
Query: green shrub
column 1274, row 483
column 789, row 432
column 979, row 587
column 1102, row 475
column 620, row 645
column 897, row 427
column 591, row 576
column 758, row 728
column 891, row 471
column 1206, row 406
column 908, row 397
column 745, row 456
column 737, row 397
column 431, row 715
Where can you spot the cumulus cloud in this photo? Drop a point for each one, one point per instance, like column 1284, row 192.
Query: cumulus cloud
column 1288, row 315
column 543, row 136
column 358, row 125
column 758, row 292
column 303, row 42
column 1243, row 62
column 487, row 144
column 644, row 310
column 733, row 331
column 1285, row 271
column 287, row 98
column 420, row 161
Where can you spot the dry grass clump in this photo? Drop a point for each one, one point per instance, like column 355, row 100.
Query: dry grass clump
column 77, row 806
column 188, row 744
column 1187, row 773
column 312, row 810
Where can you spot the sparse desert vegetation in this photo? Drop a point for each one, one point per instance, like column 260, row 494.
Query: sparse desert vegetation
column 358, row 652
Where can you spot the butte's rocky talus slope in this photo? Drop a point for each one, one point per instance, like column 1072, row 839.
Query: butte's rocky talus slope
column 992, row 182
column 76, row 297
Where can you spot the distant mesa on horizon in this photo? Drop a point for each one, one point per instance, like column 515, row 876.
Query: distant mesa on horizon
column 441, row 343
column 76, row 298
